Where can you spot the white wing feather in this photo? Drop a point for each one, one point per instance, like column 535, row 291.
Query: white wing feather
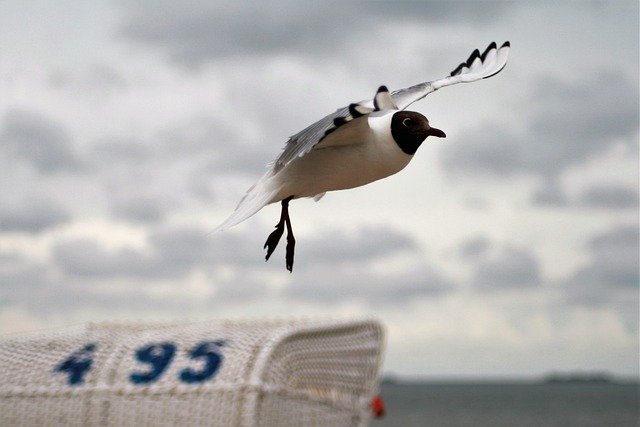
column 478, row 66
column 257, row 197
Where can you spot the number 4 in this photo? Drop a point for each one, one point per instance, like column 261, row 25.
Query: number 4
column 78, row 364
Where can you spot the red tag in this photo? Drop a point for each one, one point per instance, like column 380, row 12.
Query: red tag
column 377, row 406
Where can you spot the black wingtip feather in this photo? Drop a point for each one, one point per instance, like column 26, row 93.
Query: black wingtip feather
column 458, row 69
column 487, row 50
column 339, row 121
column 354, row 111
column 475, row 54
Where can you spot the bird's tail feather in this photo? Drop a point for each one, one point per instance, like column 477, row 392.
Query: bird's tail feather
column 257, row 197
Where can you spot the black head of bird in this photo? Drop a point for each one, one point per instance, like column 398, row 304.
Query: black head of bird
column 409, row 129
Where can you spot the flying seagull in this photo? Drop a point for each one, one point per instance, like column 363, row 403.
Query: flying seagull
column 364, row 142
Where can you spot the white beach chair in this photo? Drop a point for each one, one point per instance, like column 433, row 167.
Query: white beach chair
column 225, row 373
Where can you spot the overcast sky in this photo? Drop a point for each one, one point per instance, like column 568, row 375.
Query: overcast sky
column 129, row 130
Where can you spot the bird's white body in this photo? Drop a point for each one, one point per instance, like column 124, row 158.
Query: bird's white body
column 369, row 154
column 355, row 145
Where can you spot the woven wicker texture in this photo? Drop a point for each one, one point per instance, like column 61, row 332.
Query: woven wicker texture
column 280, row 373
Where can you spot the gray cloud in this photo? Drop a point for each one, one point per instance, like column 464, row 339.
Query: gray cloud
column 20, row 273
column 31, row 214
column 218, row 147
column 242, row 288
column 88, row 258
column 180, row 160
column 195, row 32
column 570, row 123
column 175, row 251
column 337, row 266
column 38, row 288
column 512, row 267
column 609, row 197
column 599, row 196
column 31, row 284
column 600, row 107
column 143, row 209
column 550, row 194
column 366, row 243
column 146, row 180
column 37, row 140
column 101, row 79
column 195, row 246
column 363, row 282
column 110, row 152
column 613, row 268
column 475, row 248
column 615, row 257
column 86, row 275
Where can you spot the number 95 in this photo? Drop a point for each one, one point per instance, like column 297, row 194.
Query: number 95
column 160, row 355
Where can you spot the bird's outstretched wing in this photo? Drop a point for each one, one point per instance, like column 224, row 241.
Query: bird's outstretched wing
column 317, row 135
column 478, row 66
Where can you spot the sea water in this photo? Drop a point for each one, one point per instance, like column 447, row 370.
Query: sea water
column 497, row 404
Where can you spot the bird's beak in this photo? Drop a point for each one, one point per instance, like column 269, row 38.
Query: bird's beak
column 436, row 132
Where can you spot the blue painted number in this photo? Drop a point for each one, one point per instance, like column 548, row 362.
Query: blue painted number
column 209, row 353
column 78, row 364
column 158, row 356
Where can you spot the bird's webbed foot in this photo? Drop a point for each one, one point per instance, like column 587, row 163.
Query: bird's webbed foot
column 274, row 237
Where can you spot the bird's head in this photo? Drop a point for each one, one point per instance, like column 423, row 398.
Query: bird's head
column 409, row 129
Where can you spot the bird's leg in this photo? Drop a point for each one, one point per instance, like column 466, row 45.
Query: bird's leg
column 274, row 237
column 291, row 241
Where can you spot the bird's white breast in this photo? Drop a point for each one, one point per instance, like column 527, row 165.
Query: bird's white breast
column 371, row 155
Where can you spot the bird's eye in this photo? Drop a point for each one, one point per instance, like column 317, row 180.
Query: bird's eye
column 407, row 122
